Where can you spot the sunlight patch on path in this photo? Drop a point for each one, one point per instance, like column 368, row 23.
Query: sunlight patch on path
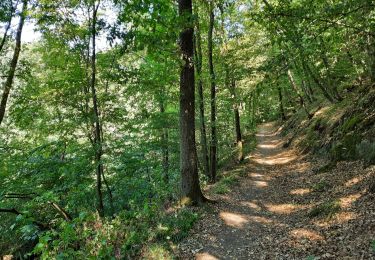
column 303, row 233
column 300, row 191
column 205, row 256
column 233, row 219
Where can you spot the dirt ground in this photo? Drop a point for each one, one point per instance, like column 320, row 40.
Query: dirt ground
column 284, row 207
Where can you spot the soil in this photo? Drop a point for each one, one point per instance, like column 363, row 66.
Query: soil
column 286, row 207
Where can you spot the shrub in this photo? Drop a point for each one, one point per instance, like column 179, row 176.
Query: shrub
column 366, row 151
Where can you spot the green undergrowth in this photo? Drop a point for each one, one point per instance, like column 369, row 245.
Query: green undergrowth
column 327, row 209
column 225, row 184
column 321, row 186
column 340, row 131
column 149, row 233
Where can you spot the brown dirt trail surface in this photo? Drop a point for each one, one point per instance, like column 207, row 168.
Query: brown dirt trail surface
column 267, row 215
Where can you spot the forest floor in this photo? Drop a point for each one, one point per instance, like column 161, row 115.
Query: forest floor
column 285, row 207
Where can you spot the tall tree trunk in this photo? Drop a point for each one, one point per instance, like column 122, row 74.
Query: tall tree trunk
column 164, row 145
column 281, row 104
column 97, row 131
column 316, row 80
column 213, row 143
column 331, row 84
column 9, row 23
column 370, row 44
column 199, row 59
column 237, row 121
column 13, row 64
column 191, row 192
column 295, row 88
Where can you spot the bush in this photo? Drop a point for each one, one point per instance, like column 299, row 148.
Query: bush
column 346, row 149
column 125, row 236
column 351, row 123
column 366, row 151
column 224, row 184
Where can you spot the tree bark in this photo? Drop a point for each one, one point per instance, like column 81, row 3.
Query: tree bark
column 7, row 27
column 237, row 121
column 13, row 65
column 97, row 130
column 281, row 104
column 199, row 58
column 295, row 88
column 213, row 143
column 190, row 189
column 164, row 145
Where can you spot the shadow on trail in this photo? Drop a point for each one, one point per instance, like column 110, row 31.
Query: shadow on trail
column 265, row 210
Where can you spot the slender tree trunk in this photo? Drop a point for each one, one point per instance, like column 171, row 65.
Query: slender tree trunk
column 281, row 104
column 331, row 84
column 97, row 131
column 191, row 192
column 295, row 88
column 237, row 121
column 13, row 64
column 317, row 82
column 370, row 46
column 9, row 23
column 164, row 145
column 213, row 143
column 198, row 58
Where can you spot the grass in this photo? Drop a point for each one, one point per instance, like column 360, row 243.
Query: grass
column 327, row 209
column 224, row 185
column 320, row 186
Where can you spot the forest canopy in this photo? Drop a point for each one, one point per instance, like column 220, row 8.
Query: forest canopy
column 113, row 111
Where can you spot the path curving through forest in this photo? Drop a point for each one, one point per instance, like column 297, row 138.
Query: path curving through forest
column 265, row 216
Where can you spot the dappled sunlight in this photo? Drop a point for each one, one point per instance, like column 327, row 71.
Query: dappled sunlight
column 303, row 233
column 322, row 111
column 261, row 184
column 267, row 146
column 233, row 219
column 300, row 191
column 275, row 160
column 260, row 176
column 205, row 256
column 353, row 181
column 338, row 219
column 261, row 220
column 251, row 205
column 345, row 216
column 282, row 208
column 346, row 202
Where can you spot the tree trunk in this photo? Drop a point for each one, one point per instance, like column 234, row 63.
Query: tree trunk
column 282, row 111
column 317, row 82
column 331, row 84
column 13, row 64
column 239, row 141
column 164, row 145
column 7, row 27
column 295, row 88
column 198, row 58
column 190, row 189
column 213, row 143
column 97, row 131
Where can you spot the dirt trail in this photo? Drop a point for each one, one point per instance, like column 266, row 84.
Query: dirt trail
column 264, row 216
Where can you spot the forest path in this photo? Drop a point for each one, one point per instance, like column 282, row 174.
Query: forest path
column 259, row 213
